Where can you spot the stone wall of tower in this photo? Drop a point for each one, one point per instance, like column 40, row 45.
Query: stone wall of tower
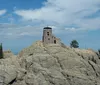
column 47, row 35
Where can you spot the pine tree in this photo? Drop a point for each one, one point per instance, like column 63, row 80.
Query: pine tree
column 1, row 51
column 99, row 51
column 74, row 44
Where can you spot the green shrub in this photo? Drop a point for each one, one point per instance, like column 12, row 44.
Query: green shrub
column 74, row 44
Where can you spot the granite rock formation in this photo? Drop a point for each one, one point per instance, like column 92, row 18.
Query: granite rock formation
column 52, row 64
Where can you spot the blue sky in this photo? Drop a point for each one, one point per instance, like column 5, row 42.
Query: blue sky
column 22, row 22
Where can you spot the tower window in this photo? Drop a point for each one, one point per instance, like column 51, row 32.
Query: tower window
column 48, row 33
column 48, row 38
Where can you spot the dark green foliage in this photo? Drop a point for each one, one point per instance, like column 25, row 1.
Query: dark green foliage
column 99, row 51
column 74, row 44
column 1, row 51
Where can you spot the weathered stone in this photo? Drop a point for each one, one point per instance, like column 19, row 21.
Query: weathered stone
column 51, row 64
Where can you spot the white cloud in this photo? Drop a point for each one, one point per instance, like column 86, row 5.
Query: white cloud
column 65, row 13
column 17, row 31
column 62, row 15
column 2, row 12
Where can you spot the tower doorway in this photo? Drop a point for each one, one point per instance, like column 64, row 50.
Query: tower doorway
column 54, row 41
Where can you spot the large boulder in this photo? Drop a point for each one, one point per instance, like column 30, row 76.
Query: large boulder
column 51, row 64
column 54, row 64
column 10, row 71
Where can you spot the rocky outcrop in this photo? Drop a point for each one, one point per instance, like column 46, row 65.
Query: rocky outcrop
column 52, row 64
column 8, row 54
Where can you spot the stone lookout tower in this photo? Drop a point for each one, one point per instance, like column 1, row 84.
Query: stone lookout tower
column 48, row 37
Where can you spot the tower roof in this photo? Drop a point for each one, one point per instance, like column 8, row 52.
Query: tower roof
column 47, row 28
